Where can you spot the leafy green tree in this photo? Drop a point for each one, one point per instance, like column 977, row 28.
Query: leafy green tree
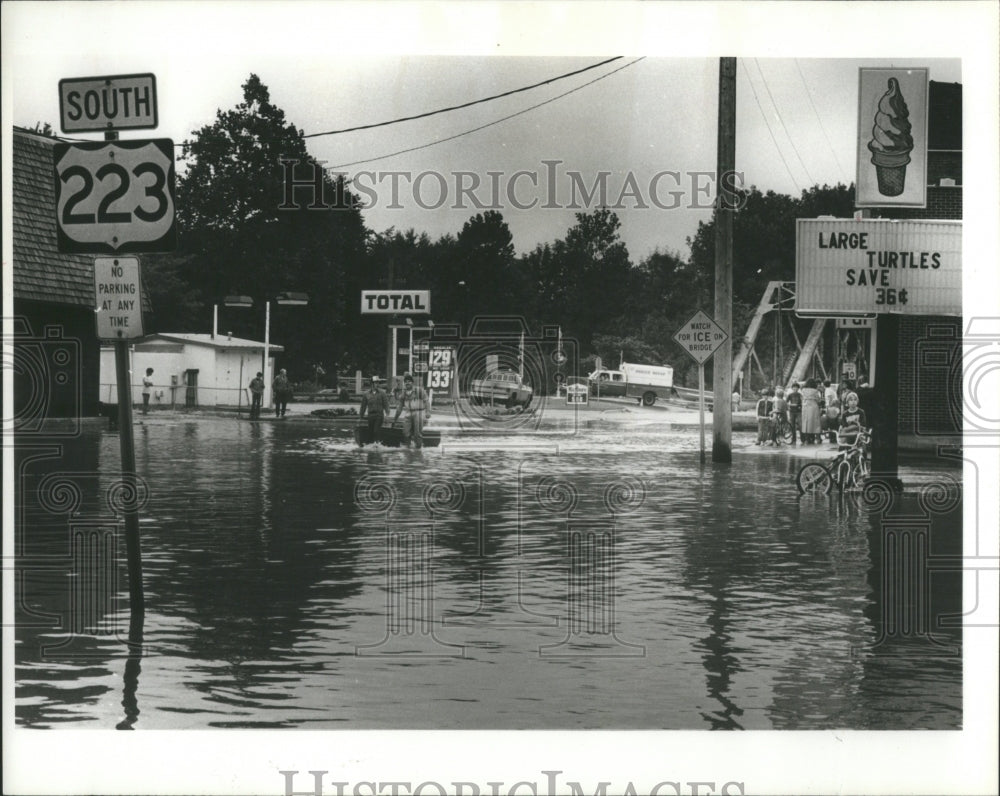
column 764, row 251
column 177, row 306
column 613, row 350
column 764, row 236
column 484, row 255
column 43, row 128
column 581, row 282
column 241, row 234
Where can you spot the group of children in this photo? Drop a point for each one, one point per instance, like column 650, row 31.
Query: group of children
column 777, row 411
column 774, row 410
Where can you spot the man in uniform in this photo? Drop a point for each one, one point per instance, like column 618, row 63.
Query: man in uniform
column 415, row 410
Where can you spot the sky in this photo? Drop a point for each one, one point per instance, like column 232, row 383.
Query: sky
column 633, row 118
column 335, row 65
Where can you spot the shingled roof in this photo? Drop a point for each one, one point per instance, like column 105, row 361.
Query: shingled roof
column 41, row 272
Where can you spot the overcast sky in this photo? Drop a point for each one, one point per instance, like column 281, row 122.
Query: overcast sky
column 634, row 118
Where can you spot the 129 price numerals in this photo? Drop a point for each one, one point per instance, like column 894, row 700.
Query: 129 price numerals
column 890, row 295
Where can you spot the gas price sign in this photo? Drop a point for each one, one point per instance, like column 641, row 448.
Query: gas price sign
column 441, row 369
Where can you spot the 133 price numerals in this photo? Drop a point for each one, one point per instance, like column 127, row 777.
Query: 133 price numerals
column 157, row 191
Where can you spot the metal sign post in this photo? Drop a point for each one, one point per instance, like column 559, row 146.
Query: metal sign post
column 701, row 408
column 118, row 317
column 701, row 337
column 114, row 198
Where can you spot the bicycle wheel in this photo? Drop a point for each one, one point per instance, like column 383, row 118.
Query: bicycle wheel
column 786, row 431
column 860, row 473
column 843, row 475
column 813, row 478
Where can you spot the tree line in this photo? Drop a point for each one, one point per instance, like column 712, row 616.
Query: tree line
column 235, row 239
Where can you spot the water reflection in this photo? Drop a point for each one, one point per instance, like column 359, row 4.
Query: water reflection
column 133, row 667
column 606, row 580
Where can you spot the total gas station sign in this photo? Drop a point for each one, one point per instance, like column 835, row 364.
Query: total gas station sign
column 395, row 302
column 848, row 267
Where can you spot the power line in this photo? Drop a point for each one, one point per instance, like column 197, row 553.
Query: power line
column 820, row 120
column 767, row 124
column 465, row 104
column 791, row 140
column 484, row 126
column 439, row 110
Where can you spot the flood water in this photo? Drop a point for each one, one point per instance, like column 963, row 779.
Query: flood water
column 536, row 579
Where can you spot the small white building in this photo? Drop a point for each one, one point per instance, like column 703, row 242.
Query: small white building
column 189, row 369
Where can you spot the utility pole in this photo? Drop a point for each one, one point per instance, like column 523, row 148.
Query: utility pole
column 722, row 409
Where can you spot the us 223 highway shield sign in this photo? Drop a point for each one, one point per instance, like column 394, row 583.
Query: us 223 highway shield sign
column 115, row 197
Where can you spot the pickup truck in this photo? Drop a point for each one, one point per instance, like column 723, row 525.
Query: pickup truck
column 607, row 382
column 646, row 383
column 501, row 387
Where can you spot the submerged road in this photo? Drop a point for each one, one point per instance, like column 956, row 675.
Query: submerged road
column 573, row 571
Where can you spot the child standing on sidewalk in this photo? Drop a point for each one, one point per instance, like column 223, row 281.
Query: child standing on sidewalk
column 794, row 402
column 779, row 416
column 764, row 409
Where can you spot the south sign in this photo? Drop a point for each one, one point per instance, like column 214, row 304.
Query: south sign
column 115, row 102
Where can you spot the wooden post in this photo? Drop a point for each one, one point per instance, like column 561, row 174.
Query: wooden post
column 239, row 393
column 722, row 409
column 266, row 400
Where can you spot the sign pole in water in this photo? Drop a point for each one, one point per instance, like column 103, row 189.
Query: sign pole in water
column 701, row 337
column 118, row 299
column 116, row 197
column 701, row 407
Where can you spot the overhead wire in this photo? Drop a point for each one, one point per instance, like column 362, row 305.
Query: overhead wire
column 465, row 104
column 822, row 127
column 777, row 111
column 767, row 124
column 488, row 124
column 448, row 109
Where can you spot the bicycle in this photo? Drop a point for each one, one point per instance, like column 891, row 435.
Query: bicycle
column 848, row 470
column 784, row 429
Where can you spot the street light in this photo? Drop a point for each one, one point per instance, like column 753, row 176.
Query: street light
column 287, row 298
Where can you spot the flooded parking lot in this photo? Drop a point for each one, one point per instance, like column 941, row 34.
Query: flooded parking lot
column 591, row 575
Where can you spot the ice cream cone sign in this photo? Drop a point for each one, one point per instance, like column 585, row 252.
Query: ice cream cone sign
column 891, row 142
column 892, row 145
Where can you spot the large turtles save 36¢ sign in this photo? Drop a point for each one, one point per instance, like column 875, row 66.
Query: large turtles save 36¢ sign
column 115, row 197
